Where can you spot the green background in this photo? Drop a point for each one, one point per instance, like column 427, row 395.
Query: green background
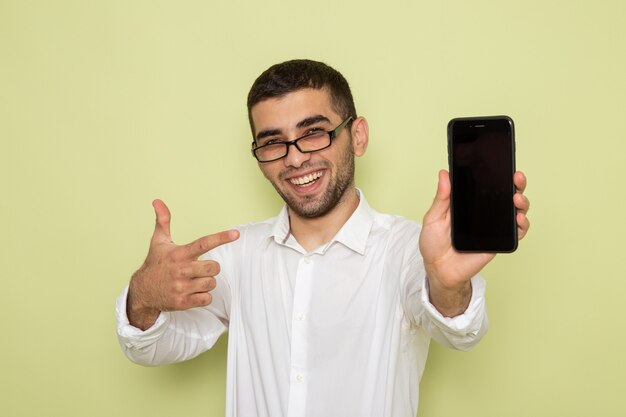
column 106, row 105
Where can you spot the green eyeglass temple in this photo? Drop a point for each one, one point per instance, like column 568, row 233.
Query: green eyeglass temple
column 331, row 136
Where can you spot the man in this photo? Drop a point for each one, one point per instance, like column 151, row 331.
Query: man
column 330, row 306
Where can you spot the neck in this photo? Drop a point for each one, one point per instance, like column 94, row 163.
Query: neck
column 314, row 232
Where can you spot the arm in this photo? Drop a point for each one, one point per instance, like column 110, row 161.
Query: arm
column 174, row 308
column 460, row 332
column 177, row 335
column 448, row 271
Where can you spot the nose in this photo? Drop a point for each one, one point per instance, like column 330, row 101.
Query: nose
column 294, row 157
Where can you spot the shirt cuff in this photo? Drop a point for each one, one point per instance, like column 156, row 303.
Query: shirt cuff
column 132, row 337
column 467, row 323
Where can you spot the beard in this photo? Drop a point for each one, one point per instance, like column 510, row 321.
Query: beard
column 311, row 207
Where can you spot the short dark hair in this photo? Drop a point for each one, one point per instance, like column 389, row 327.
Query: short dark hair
column 287, row 77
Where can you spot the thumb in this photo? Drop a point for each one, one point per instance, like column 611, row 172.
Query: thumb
column 162, row 226
column 441, row 204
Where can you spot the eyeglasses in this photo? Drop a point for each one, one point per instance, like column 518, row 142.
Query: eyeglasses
column 313, row 142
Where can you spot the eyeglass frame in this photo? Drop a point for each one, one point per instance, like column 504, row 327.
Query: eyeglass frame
column 332, row 134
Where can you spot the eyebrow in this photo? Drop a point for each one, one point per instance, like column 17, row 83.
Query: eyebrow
column 302, row 123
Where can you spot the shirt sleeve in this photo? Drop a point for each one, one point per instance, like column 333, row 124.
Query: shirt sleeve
column 175, row 336
column 461, row 332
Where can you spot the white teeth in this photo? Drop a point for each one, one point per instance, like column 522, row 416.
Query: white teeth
column 306, row 179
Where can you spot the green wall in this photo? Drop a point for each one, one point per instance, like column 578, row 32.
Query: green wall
column 106, row 105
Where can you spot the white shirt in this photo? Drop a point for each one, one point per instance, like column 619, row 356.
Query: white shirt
column 340, row 331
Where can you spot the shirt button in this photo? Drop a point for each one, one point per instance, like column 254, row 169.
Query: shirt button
column 299, row 377
column 301, row 316
column 307, row 260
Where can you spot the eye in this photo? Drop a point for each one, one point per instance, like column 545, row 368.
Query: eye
column 270, row 142
column 314, row 130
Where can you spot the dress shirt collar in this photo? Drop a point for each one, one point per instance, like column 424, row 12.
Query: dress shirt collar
column 353, row 234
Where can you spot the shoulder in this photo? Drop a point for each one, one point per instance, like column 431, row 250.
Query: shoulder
column 385, row 225
column 260, row 228
column 251, row 235
column 398, row 236
column 396, row 226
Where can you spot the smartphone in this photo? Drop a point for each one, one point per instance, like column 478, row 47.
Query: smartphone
column 481, row 157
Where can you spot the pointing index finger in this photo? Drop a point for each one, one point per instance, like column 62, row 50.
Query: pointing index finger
column 206, row 243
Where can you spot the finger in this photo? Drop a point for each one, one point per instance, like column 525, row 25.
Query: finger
column 522, row 204
column 196, row 269
column 441, row 204
column 200, row 269
column 523, row 224
column 162, row 226
column 205, row 284
column 200, row 299
column 519, row 179
column 206, row 243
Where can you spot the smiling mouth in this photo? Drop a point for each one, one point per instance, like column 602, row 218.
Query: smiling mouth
column 306, row 180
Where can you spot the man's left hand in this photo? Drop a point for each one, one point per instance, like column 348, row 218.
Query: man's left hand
column 448, row 271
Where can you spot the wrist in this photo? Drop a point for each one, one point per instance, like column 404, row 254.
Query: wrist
column 448, row 286
column 139, row 314
column 141, row 317
column 449, row 300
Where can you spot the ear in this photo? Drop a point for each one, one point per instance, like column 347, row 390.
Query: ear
column 360, row 135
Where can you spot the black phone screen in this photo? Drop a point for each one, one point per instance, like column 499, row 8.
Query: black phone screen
column 482, row 163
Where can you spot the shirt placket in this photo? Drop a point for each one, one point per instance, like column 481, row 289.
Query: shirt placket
column 299, row 343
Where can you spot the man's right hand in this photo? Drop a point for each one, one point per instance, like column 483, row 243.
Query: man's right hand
column 172, row 278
